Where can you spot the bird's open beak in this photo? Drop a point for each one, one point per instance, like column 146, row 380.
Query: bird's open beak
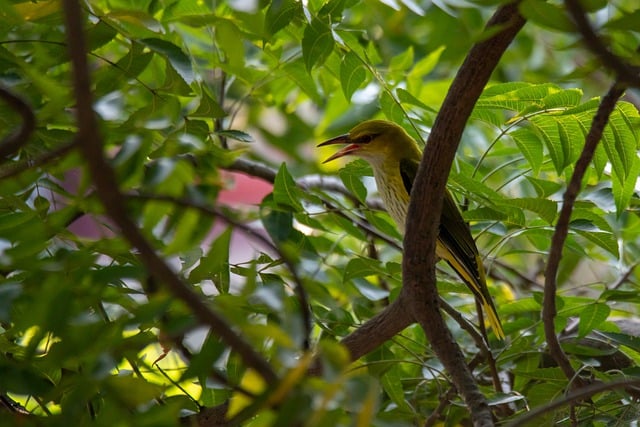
column 342, row 139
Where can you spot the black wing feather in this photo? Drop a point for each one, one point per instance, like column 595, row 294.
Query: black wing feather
column 454, row 232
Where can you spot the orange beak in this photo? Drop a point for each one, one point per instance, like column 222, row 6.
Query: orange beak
column 342, row 139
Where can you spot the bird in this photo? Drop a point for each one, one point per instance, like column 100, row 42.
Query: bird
column 394, row 157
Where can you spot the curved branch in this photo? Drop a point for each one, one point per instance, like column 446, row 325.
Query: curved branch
column 562, row 228
column 20, row 166
column 427, row 197
column 625, row 73
column 380, row 328
column 12, row 142
column 104, row 179
column 576, row 395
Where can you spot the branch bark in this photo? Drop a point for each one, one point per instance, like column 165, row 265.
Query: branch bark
column 626, row 73
column 104, row 179
column 562, row 228
column 19, row 137
column 426, row 203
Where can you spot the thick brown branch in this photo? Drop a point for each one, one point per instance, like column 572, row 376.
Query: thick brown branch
column 426, row 203
column 12, row 142
column 103, row 176
column 626, row 73
column 380, row 328
column 562, row 227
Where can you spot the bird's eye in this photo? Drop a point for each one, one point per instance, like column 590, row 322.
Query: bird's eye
column 365, row 139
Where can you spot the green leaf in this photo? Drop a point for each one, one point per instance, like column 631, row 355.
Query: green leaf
column 230, row 40
column 606, row 241
column 544, row 374
column 631, row 341
column 214, row 265
column 391, row 108
column 352, row 179
column 546, row 15
column 128, row 67
column 546, row 209
column 238, row 135
column 174, row 54
column 624, row 191
column 285, row 190
column 543, row 187
column 280, row 13
column 208, row 108
column 188, row 224
column 591, row 317
column 563, row 99
column 392, row 385
column 352, row 74
column 317, row 43
column 408, row 98
column 620, row 296
column 402, row 61
column 131, row 390
column 548, row 131
column 630, row 21
column 295, row 71
column 363, row 267
column 173, row 83
column 422, row 68
column 333, row 9
column 530, row 146
column 99, row 35
column 279, row 224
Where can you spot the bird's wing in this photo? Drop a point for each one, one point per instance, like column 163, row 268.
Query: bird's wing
column 408, row 172
column 457, row 245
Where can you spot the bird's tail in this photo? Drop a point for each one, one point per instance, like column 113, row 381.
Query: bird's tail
column 473, row 274
column 487, row 302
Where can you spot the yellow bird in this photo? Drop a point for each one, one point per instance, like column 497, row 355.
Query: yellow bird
column 394, row 157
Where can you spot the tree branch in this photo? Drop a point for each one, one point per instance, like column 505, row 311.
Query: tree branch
column 298, row 288
column 562, row 228
column 380, row 328
column 570, row 398
column 426, row 203
column 626, row 73
column 103, row 176
column 19, row 137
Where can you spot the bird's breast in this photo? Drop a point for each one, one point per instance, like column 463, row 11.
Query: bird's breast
column 394, row 196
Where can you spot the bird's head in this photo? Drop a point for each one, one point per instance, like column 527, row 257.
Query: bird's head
column 375, row 141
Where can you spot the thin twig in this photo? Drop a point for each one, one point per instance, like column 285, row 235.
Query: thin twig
column 104, row 179
column 298, row 287
column 574, row 396
column 13, row 169
column 625, row 276
column 626, row 73
column 549, row 311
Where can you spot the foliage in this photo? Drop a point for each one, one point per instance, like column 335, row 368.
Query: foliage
column 193, row 96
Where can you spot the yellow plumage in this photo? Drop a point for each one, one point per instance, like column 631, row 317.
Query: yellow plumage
column 394, row 157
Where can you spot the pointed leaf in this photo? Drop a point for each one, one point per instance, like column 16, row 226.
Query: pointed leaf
column 280, row 14
column 285, row 190
column 317, row 43
column 352, row 74
column 591, row 317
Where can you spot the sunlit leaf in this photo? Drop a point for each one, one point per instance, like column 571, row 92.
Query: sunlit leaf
column 352, row 74
column 317, row 43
